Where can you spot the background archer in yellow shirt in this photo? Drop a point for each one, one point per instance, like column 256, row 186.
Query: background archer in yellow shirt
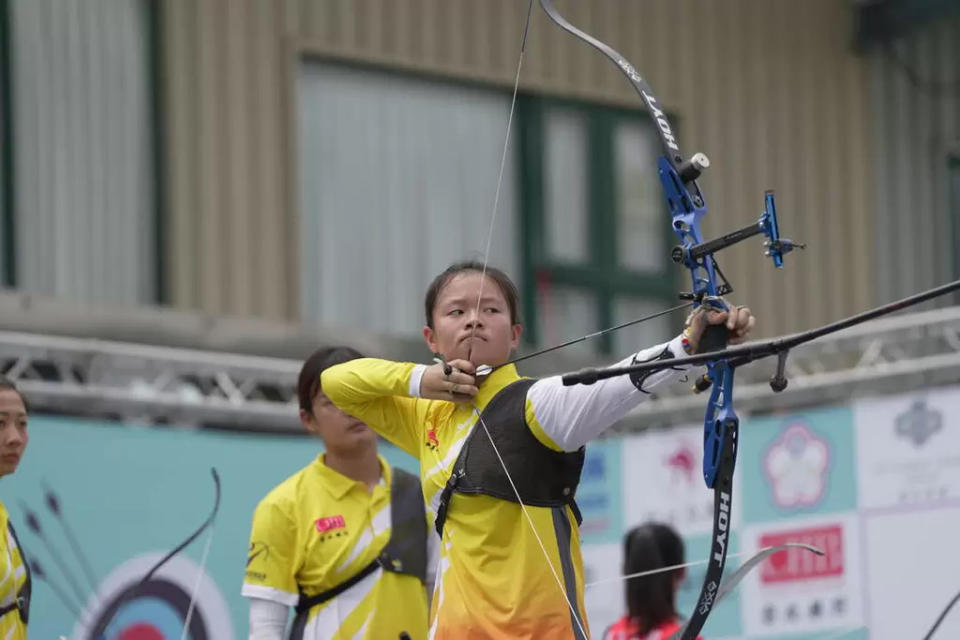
column 15, row 583
column 344, row 540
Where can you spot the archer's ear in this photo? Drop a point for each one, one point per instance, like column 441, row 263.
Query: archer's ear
column 428, row 335
column 308, row 422
column 517, row 331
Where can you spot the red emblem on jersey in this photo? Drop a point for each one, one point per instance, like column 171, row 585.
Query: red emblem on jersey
column 329, row 523
column 432, row 441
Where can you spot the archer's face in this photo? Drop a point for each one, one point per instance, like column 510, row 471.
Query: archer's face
column 461, row 331
column 13, row 430
column 340, row 431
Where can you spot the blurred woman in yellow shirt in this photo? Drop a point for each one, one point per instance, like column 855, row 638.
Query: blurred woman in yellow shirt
column 15, row 581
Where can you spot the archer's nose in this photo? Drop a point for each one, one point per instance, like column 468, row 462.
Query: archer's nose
column 473, row 320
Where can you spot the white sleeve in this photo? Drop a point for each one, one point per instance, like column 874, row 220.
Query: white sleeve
column 572, row 416
column 433, row 562
column 268, row 619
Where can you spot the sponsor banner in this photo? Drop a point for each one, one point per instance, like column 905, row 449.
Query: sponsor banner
column 876, row 485
column 598, row 494
column 908, row 450
column 605, row 600
column 798, row 464
column 796, row 591
column 912, row 571
column 663, row 481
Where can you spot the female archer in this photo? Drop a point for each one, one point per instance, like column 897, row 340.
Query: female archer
column 500, row 455
column 15, row 584
column 343, row 541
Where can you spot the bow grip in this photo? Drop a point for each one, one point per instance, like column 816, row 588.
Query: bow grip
column 714, row 338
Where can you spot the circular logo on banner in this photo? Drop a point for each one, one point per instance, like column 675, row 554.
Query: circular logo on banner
column 124, row 609
column 797, row 464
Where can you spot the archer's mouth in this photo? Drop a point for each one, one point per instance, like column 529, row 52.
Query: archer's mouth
column 358, row 427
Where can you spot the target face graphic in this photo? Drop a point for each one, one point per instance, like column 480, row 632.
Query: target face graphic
column 124, row 609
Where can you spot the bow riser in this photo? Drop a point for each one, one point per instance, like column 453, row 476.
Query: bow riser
column 687, row 207
column 719, row 418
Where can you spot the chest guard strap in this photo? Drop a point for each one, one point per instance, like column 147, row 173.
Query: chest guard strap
column 21, row 603
column 406, row 550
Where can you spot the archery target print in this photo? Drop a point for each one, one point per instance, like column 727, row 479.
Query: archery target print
column 124, row 609
column 908, row 450
column 663, row 481
column 796, row 591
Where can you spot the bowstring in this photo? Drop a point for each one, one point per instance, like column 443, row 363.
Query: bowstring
column 196, row 584
column 486, row 257
column 651, row 572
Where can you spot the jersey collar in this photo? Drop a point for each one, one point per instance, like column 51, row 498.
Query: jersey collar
column 338, row 485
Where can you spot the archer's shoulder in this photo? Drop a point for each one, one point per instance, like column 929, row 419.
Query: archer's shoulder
column 286, row 495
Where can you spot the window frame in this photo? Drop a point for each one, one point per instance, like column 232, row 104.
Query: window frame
column 601, row 273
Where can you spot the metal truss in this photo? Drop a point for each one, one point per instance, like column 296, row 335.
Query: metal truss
column 138, row 383
column 192, row 388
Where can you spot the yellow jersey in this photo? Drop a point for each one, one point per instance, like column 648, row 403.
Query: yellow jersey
column 13, row 576
column 494, row 580
column 315, row 531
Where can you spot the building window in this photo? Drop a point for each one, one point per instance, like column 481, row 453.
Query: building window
column 397, row 181
column 595, row 241
column 6, row 153
column 78, row 158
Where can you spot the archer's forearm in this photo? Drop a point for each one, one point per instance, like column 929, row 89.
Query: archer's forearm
column 572, row 416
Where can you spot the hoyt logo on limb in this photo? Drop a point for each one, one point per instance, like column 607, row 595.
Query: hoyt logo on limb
column 724, row 522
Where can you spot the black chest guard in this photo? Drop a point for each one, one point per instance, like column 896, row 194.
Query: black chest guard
column 543, row 477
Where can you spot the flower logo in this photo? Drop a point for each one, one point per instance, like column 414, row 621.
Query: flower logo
column 796, row 464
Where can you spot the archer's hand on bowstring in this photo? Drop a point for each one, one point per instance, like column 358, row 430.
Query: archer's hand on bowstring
column 739, row 322
column 453, row 381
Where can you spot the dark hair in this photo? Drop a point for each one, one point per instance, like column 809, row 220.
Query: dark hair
column 308, row 383
column 8, row 384
column 503, row 281
column 651, row 600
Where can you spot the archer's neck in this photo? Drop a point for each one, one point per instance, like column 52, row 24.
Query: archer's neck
column 359, row 464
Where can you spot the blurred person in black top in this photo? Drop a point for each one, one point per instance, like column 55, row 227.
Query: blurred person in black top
column 652, row 599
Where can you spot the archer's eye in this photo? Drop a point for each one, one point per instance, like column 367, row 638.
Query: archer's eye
column 455, row 312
